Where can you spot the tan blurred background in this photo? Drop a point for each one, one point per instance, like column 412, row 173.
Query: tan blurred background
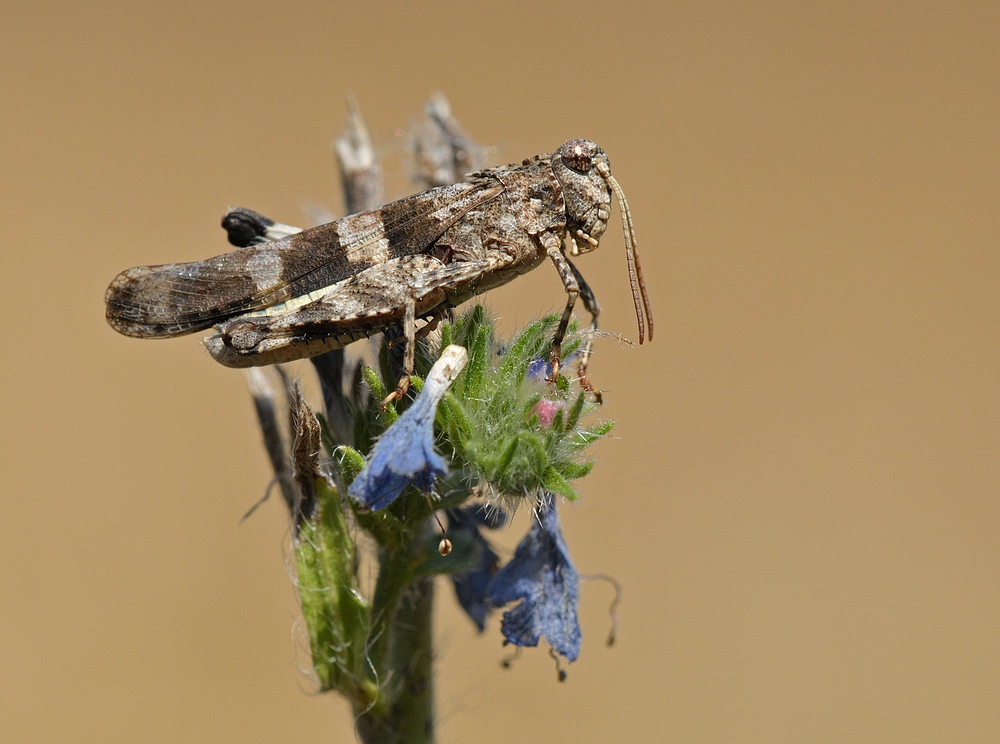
column 802, row 504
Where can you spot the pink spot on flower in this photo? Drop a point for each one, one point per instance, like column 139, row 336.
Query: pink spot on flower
column 546, row 411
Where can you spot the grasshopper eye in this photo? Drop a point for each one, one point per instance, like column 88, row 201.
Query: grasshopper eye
column 578, row 154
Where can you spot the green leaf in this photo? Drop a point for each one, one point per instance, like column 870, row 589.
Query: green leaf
column 529, row 405
column 479, row 354
column 537, row 454
column 374, row 382
column 555, row 483
column 447, row 331
column 526, row 346
column 335, row 612
column 507, row 455
column 573, row 470
column 575, row 410
column 387, row 415
column 457, row 414
column 585, row 437
column 351, row 463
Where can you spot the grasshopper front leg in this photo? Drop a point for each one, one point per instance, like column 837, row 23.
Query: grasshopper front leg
column 553, row 247
column 576, row 287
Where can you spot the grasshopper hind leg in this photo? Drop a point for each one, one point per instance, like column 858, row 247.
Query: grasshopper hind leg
column 409, row 352
column 444, row 312
column 436, row 283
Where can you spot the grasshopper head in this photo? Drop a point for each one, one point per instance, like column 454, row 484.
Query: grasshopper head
column 584, row 172
column 578, row 166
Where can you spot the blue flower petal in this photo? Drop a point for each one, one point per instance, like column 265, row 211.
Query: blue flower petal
column 405, row 453
column 472, row 587
column 541, row 575
column 539, row 370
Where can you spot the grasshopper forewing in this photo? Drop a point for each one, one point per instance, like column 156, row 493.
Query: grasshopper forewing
column 305, row 293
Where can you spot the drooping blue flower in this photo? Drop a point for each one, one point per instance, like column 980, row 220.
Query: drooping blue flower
column 405, row 453
column 472, row 588
column 541, row 574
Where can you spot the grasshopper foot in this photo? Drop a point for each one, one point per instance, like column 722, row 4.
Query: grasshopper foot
column 398, row 393
column 585, row 384
column 555, row 364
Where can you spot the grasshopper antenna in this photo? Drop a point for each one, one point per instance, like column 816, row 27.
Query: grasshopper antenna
column 634, row 268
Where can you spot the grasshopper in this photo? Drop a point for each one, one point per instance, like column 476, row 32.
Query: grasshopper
column 286, row 294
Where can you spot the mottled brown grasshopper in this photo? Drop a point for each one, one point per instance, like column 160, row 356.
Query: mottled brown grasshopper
column 289, row 294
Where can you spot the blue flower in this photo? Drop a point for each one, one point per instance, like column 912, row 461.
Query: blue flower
column 405, row 453
column 543, row 577
column 472, row 587
column 539, row 370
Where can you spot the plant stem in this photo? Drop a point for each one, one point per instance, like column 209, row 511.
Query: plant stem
column 403, row 656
